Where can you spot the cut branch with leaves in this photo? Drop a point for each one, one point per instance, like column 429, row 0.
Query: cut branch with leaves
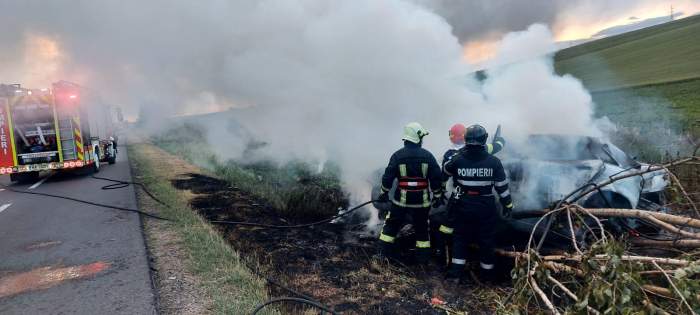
column 613, row 274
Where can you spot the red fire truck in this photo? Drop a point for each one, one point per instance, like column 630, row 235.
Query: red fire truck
column 65, row 127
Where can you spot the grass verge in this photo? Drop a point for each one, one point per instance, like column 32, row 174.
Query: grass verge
column 295, row 189
column 231, row 286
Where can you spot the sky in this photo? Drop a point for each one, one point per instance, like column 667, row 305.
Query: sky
column 319, row 80
column 569, row 20
column 41, row 48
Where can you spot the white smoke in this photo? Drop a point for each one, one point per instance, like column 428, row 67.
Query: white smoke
column 320, row 80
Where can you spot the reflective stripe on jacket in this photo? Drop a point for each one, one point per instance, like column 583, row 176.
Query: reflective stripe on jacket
column 417, row 173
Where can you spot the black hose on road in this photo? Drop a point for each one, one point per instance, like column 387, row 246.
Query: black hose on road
column 146, row 214
column 119, row 184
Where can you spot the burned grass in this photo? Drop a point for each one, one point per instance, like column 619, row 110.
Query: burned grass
column 329, row 262
column 197, row 272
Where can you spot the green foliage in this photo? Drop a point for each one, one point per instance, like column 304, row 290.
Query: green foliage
column 686, row 279
column 613, row 285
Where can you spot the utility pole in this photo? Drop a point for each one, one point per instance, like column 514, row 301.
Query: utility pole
column 672, row 12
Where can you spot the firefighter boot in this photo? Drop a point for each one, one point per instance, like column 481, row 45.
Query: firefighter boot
column 387, row 251
column 455, row 273
column 439, row 248
column 422, row 256
column 487, row 276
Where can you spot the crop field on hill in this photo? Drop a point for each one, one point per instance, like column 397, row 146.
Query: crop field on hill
column 659, row 54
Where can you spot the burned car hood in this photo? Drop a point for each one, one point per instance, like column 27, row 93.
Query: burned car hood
column 536, row 184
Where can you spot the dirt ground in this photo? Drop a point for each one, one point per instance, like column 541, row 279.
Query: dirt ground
column 328, row 262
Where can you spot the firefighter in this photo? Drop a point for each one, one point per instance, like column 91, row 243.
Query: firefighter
column 456, row 134
column 476, row 174
column 418, row 174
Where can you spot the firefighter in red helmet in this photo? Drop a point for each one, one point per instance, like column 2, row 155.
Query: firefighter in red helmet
column 445, row 217
column 476, row 174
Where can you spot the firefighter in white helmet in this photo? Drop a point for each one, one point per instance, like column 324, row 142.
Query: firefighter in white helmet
column 419, row 185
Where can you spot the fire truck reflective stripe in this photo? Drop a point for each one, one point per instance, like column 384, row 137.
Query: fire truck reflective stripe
column 502, row 183
column 459, row 261
column 475, row 182
column 505, row 194
column 422, row 244
column 78, row 138
column 386, row 238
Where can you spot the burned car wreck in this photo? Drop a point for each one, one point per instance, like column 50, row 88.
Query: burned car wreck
column 549, row 168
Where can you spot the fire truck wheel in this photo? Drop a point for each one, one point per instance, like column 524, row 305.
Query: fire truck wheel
column 96, row 166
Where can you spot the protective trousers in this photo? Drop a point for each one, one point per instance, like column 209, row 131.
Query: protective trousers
column 395, row 220
column 475, row 221
column 441, row 233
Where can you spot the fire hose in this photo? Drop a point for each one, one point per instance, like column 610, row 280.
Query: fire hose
column 111, row 186
column 272, row 226
column 118, row 184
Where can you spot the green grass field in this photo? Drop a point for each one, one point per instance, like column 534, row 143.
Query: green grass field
column 647, row 81
column 660, row 54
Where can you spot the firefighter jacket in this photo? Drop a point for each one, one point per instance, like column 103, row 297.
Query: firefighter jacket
column 417, row 173
column 475, row 174
column 491, row 148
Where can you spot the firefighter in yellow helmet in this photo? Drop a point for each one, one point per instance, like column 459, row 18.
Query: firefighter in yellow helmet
column 419, row 185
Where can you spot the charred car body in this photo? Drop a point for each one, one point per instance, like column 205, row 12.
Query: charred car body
column 549, row 168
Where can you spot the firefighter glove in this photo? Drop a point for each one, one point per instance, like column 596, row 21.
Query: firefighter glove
column 438, row 201
column 500, row 139
column 508, row 212
column 383, row 196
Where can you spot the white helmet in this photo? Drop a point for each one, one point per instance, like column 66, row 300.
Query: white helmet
column 414, row 132
column 111, row 138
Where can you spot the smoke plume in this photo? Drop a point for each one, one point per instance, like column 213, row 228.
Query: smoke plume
column 317, row 80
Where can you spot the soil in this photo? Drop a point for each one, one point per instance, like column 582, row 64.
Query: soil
column 331, row 263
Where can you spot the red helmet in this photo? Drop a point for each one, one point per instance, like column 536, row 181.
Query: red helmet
column 457, row 133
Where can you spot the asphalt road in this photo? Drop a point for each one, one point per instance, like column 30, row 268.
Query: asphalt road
column 62, row 257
